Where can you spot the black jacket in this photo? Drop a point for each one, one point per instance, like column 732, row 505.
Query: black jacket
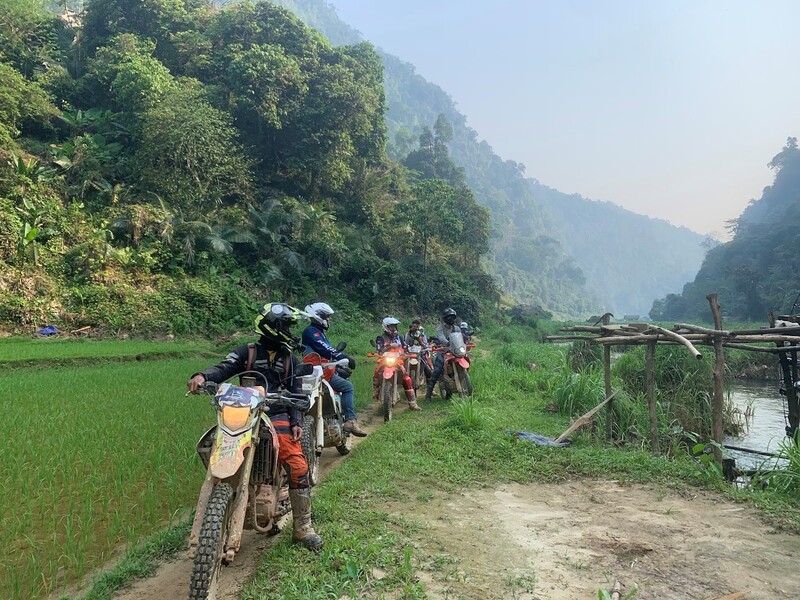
column 278, row 367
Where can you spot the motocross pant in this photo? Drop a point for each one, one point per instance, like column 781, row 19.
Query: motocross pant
column 290, row 454
column 346, row 389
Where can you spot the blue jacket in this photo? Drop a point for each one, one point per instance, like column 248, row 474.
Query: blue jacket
column 315, row 340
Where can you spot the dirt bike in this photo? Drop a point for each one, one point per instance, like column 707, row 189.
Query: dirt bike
column 323, row 425
column 245, row 486
column 455, row 375
column 416, row 366
column 390, row 364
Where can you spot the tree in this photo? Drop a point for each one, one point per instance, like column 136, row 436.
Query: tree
column 190, row 156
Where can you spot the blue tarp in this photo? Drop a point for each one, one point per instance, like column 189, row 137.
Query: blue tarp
column 49, row 330
column 539, row 440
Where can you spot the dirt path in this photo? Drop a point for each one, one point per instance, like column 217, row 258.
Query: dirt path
column 566, row 541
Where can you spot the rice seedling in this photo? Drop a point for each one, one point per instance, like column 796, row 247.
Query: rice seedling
column 88, row 451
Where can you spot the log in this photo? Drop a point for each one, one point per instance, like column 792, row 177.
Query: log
column 759, row 348
column 793, row 330
column 698, row 329
column 650, row 383
column 584, row 328
column 616, row 592
column 583, row 419
column 793, row 339
column 677, row 338
column 719, row 377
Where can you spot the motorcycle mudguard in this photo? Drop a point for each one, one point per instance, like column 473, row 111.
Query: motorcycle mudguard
column 413, row 361
column 388, row 372
column 463, row 362
column 228, row 453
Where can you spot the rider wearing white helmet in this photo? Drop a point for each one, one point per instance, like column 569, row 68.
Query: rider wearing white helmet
column 315, row 340
column 389, row 338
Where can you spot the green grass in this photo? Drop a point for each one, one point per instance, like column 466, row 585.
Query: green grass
column 22, row 350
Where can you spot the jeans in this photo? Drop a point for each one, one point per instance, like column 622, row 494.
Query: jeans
column 346, row 389
column 438, row 368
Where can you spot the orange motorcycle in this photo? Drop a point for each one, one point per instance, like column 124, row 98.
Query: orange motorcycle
column 390, row 366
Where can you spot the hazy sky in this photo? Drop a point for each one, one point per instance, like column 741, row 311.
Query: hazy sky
column 669, row 108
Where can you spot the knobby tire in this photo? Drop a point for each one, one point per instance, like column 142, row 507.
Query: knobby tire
column 309, row 445
column 211, row 544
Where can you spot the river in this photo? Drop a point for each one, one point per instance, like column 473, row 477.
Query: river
column 765, row 429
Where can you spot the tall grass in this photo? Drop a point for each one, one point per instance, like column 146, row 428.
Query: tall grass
column 94, row 458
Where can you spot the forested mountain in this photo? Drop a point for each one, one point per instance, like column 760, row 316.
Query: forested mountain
column 567, row 253
column 169, row 165
column 753, row 274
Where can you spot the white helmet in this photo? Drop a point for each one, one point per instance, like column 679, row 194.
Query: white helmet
column 462, row 326
column 389, row 321
column 320, row 314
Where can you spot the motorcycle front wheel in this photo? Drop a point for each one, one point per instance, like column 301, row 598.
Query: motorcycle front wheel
column 466, row 382
column 309, row 445
column 211, row 544
column 387, row 395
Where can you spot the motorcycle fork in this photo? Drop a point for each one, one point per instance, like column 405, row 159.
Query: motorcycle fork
column 242, row 490
column 202, row 504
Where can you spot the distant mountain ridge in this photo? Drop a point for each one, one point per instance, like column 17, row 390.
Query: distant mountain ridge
column 572, row 255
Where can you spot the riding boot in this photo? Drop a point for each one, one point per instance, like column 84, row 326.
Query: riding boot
column 428, row 392
column 303, row 532
column 411, row 396
column 352, row 428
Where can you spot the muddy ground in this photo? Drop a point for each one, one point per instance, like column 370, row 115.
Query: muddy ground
column 564, row 542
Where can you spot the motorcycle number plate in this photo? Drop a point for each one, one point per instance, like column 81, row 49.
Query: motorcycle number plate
column 228, row 453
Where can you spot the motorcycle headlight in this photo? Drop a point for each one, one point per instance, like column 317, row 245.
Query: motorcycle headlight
column 390, row 360
column 235, row 417
column 462, row 350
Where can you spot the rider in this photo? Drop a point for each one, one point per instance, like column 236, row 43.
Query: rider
column 416, row 337
column 272, row 356
column 315, row 340
column 465, row 330
column 390, row 337
column 443, row 331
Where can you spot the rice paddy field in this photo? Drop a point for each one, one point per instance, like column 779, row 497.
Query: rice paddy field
column 96, row 456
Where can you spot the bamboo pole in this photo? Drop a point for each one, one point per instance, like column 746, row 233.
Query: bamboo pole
column 651, row 400
column 719, row 376
column 698, row 329
column 678, row 338
column 607, row 382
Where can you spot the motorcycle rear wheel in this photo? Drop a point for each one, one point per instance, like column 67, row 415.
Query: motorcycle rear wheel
column 308, row 444
column 211, row 544
column 387, row 395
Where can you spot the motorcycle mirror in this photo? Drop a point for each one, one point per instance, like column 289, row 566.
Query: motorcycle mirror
column 304, row 369
column 372, row 343
column 341, row 346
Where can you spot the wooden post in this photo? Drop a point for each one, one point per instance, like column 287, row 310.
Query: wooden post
column 607, row 380
column 651, row 400
column 719, row 375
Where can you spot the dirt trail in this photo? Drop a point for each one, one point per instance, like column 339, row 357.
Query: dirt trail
column 566, row 541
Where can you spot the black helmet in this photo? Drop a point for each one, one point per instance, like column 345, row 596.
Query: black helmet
column 274, row 322
column 449, row 316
